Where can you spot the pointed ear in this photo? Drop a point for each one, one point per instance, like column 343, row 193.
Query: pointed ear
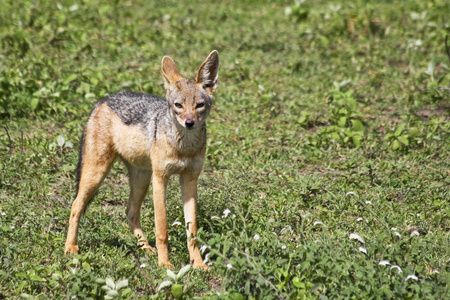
column 169, row 71
column 209, row 72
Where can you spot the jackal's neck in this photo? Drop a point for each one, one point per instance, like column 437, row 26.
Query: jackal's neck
column 189, row 142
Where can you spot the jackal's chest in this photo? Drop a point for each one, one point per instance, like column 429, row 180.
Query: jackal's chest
column 168, row 160
column 177, row 166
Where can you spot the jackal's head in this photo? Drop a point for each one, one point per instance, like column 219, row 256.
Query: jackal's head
column 190, row 100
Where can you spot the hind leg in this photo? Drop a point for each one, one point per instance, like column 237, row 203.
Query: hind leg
column 139, row 180
column 92, row 176
column 97, row 155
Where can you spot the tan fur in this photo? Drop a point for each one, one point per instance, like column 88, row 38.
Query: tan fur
column 155, row 160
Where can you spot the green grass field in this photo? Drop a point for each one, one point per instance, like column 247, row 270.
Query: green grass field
column 328, row 166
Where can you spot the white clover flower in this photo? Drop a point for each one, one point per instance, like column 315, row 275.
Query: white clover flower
column 215, row 217
column 12, row 226
column 288, row 11
column 143, row 265
column 384, row 263
column 176, row 223
column 206, row 258
column 283, row 247
column 359, row 219
column 411, row 276
column 412, row 43
column 229, row 266
column 226, row 212
column 203, row 248
column 256, row 237
column 398, row 268
column 415, row 232
column 363, row 250
column 354, row 236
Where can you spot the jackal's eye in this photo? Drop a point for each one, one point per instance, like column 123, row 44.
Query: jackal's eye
column 200, row 105
column 178, row 105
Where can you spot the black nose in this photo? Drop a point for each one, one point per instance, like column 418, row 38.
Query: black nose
column 189, row 123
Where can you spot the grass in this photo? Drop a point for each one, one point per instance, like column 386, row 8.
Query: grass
column 327, row 172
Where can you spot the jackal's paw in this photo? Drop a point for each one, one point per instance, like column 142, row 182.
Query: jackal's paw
column 149, row 249
column 165, row 264
column 201, row 265
column 71, row 249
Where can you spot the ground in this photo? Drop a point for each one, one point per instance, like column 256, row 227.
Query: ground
column 327, row 171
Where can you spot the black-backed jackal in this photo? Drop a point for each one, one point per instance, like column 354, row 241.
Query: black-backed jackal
column 156, row 138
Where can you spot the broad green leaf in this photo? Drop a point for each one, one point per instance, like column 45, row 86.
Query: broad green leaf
column 94, row 80
column 357, row 141
column 100, row 280
column 121, row 284
column 177, row 291
column 298, row 283
column 60, row 140
column 112, row 293
column 325, row 42
column 357, row 125
column 126, row 292
column 430, row 69
column 351, row 103
column 110, row 283
column 21, row 274
column 236, row 296
column 34, row 103
column 171, row 274
column 106, row 288
column 85, row 265
column 164, row 284
column 399, row 129
column 388, row 136
column 403, row 139
column 342, row 121
column 183, row 271
column 70, row 78
column 395, row 145
column 36, row 278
